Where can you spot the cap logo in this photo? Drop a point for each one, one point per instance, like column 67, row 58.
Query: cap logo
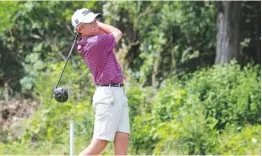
column 76, row 21
column 85, row 12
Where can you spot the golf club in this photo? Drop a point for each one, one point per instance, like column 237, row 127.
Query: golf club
column 61, row 94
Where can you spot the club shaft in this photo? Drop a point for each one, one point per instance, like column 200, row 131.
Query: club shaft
column 68, row 57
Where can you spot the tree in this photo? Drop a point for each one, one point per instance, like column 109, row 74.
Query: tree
column 31, row 38
column 228, row 35
column 251, row 31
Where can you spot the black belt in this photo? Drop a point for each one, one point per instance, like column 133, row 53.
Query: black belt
column 111, row 85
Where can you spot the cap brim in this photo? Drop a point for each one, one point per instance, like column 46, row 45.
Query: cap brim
column 91, row 18
column 98, row 15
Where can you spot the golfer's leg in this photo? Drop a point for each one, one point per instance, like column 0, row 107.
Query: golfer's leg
column 122, row 134
column 121, row 143
column 104, row 126
column 94, row 148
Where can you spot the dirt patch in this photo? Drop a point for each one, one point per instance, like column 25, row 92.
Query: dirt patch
column 14, row 111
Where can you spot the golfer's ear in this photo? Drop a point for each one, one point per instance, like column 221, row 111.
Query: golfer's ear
column 78, row 30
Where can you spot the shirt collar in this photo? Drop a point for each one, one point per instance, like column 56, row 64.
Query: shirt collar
column 82, row 40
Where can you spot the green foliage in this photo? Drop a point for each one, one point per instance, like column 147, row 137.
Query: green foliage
column 32, row 65
column 173, row 36
column 229, row 94
column 246, row 141
column 6, row 15
column 183, row 117
column 58, row 115
column 32, row 36
column 160, row 38
column 178, row 118
column 211, row 111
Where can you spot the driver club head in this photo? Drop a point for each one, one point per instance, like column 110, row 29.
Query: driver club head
column 60, row 94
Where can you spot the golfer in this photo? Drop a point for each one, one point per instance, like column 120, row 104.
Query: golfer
column 95, row 44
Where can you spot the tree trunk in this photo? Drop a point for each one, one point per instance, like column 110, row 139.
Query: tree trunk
column 228, row 35
column 155, row 68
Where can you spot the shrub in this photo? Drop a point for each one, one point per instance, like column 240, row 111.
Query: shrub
column 188, row 115
column 229, row 94
column 246, row 141
column 211, row 111
column 51, row 121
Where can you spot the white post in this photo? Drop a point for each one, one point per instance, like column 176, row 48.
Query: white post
column 71, row 138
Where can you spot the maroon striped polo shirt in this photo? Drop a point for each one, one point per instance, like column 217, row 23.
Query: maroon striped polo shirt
column 97, row 52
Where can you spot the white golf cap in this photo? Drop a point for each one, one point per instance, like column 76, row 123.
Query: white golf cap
column 83, row 16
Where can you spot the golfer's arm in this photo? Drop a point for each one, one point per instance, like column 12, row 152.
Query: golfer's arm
column 108, row 29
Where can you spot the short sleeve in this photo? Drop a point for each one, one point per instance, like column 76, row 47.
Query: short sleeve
column 96, row 49
column 106, row 42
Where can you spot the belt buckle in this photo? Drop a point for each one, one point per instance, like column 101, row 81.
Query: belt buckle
column 119, row 85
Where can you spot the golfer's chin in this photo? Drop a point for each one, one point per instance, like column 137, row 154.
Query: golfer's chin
column 97, row 32
column 92, row 33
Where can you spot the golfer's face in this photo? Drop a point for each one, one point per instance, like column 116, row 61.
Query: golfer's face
column 89, row 28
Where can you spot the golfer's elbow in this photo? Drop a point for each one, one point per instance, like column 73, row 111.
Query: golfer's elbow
column 117, row 35
column 120, row 34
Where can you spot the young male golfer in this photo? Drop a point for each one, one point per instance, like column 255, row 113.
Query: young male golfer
column 95, row 45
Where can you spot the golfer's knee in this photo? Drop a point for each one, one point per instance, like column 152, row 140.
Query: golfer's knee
column 101, row 143
column 95, row 148
column 81, row 154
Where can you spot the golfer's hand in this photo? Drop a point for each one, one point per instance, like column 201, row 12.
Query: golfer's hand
column 108, row 29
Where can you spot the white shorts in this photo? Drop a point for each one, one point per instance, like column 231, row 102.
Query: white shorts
column 111, row 112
